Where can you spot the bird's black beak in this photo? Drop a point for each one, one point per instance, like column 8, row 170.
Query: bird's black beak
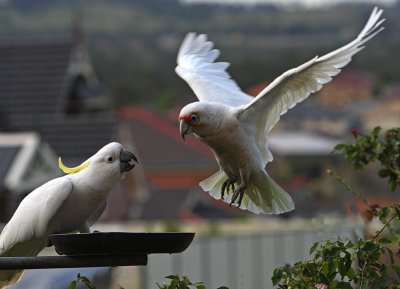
column 184, row 128
column 127, row 160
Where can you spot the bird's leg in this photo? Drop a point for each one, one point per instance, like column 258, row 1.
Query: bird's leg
column 238, row 193
column 229, row 184
column 49, row 243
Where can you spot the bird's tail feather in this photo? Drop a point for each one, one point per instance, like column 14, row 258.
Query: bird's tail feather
column 9, row 277
column 264, row 195
column 213, row 184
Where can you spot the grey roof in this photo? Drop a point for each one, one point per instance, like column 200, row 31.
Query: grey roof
column 7, row 155
column 77, row 138
column 314, row 112
column 39, row 83
column 31, row 77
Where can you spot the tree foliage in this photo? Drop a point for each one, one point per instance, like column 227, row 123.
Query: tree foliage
column 364, row 263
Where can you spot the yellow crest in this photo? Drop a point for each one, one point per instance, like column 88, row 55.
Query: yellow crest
column 72, row 170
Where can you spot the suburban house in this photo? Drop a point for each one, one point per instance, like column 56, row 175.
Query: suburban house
column 52, row 103
column 25, row 163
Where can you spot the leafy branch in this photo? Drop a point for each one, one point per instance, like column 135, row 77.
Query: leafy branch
column 184, row 283
column 360, row 264
column 86, row 282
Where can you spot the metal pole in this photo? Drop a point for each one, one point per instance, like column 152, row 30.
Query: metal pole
column 43, row 262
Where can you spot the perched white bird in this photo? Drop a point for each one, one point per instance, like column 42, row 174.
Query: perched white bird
column 235, row 125
column 69, row 203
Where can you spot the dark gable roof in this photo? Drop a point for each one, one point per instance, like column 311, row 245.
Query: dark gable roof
column 36, row 82
column 7, row 155
column 77, row 138
column 31, row 78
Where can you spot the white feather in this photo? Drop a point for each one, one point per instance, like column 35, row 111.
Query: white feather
column 298, row 83
column 208, row 79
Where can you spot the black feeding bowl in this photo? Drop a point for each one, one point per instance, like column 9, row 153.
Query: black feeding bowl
column 116, row 243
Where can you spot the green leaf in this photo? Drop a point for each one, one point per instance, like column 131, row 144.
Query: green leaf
column 200, row 286
column 351, row 273
column 343, row 285
column 344, row 266
column 392, row 184
column 174, row 284
column 84, row 279
column 384, row 241
column 339, row 148
column 186, row 280
column 376, row 131
column 277, row 276
column 383, row 212
column 397, row 209
column 332, row 267
column 73, row 284
column 314, row 247
column 310, row 269
column 383, row 173
column 172, row 277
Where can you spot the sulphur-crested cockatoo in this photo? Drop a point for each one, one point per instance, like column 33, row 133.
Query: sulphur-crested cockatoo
column 235, row 125
column 69, row 203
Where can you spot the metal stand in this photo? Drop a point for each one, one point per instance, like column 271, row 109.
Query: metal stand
column 44, row 262
column 109, row 249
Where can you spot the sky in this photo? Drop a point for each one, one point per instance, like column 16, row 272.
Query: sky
column 306, row 3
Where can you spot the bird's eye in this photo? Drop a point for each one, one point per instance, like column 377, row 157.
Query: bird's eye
column 109, row 159
column 194, row 118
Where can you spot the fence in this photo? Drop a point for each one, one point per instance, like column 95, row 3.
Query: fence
column 237, row 261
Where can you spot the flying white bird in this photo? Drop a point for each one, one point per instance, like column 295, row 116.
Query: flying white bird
column 69, row 203
column 235, row 125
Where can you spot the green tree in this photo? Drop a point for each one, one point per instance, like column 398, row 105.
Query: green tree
column 364, row 263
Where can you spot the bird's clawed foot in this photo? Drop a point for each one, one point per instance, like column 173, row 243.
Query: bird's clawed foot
column 238, row 193
column 228, row 185
column 49, row 243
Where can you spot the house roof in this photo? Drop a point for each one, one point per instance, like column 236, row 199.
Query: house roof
column 7, row 155
column 301, row 143
column 77, row 138
column 48, row 86
column 160, row 145
column 25, row 161
column 32, row 78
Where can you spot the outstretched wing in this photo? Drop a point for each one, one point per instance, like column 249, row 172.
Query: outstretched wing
column 209, row 80
column 298, row 83
column 31, row 219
